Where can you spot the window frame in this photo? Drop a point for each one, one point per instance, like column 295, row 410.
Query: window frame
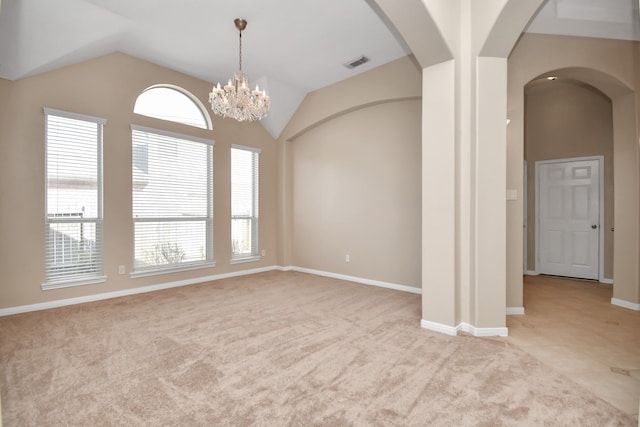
column 255, row 218
column 63, row 281
column 208, row 124
column 209, row 219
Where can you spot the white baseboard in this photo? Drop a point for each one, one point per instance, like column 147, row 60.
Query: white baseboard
column 464, row 327
column 439, row 327
column 607, row 281
column 133, row 291
column 483, row 332
column 515, row 310
column 360, row 280
column 625, row 304
column 531, row 273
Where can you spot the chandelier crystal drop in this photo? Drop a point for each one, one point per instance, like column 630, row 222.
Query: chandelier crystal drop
column 235, row 99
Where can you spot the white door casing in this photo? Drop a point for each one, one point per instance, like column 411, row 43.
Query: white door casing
column 569, row 214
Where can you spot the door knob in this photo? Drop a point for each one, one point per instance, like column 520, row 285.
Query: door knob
column 594, row 226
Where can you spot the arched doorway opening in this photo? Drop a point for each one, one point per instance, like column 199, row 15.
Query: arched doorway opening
column 587, row 61
column 568, row 150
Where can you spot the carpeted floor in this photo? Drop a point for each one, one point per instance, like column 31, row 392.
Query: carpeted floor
column 276, row 348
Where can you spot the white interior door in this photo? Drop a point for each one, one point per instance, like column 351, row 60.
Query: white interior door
column 569, row 218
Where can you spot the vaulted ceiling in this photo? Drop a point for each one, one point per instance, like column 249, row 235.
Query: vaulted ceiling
column 290, row 47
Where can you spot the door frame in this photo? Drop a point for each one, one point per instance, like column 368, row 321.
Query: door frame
column 525, row 220
column 601, row 221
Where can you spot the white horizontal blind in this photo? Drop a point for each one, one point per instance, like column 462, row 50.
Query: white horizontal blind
column 172, row 199
column 245, row 163
column 73, row 220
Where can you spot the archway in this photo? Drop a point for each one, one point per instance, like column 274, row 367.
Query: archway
column 588, row 61
column 569, row 122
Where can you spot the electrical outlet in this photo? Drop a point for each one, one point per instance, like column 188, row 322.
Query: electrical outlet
column 347, row 258
column 121, row 269
column 264, row 252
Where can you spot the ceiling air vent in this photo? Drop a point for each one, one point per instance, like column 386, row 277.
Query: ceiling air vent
column 356, row 62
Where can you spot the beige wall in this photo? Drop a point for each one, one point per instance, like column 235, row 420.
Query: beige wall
column 565, row 120
column 364, row 112
column 341, row 148
column 610, row 66
column 107, row 87
column 356, row 191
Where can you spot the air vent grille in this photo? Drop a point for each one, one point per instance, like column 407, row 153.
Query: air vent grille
column 356, row 62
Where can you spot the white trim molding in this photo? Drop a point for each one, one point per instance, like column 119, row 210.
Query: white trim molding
column 606, row 281
column 483, row 332
column 532, row 273
column 370, row 282
column 464, row 327
column 127, row 292
column 439, row 327
column 515, row 311
column 625, row 304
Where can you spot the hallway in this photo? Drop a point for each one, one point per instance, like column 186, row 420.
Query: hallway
column 572, row 326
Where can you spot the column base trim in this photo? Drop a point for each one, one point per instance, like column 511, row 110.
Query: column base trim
column 625, row 304
column 464, row 327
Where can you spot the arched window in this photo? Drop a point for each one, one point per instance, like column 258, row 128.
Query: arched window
column 166, row 102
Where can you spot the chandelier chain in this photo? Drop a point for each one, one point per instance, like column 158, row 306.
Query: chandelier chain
column 240, row 50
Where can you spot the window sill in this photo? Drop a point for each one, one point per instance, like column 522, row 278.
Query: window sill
column 176, row 269
column 240, row 260
column 59, row 284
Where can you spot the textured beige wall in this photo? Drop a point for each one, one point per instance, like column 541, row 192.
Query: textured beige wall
column 565, row 120
column 107, row 87
column 356, row 191
column 611, row 66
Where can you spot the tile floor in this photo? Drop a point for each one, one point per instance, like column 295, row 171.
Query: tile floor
column 572, row 326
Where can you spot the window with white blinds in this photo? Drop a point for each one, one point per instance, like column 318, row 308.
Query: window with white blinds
column 73, row 218
column 244, row 203
column 172, row 201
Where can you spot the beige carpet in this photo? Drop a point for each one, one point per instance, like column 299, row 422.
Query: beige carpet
column 282, row 349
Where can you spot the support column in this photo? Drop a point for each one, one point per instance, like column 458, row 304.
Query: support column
column 463, row 154
column 490, row 188
column 439, row 199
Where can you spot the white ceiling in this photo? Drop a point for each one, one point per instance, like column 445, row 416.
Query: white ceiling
column 290, row 47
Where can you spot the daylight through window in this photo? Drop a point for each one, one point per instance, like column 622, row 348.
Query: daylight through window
column 244, row 203
column 171, row 104
column 172, row 200
column 73, row 220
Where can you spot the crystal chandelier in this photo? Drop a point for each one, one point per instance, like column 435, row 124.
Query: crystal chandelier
column 235, row 99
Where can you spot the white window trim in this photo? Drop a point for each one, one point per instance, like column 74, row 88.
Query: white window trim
column 239, row 259
column 175, row 269
column 185, row 266
column 170, row 134
column 75, row 116
column 59, row 284
column 192, row 97
column 243, row 259
column 247, row 148
column 89, row 280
